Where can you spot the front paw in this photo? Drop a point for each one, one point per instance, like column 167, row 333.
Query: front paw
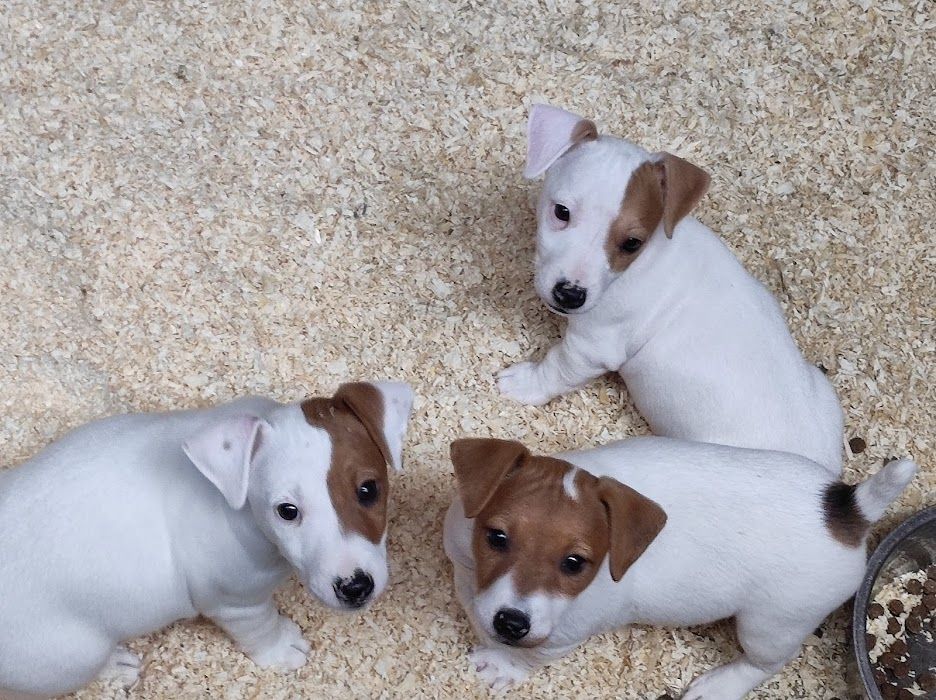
column 287, row 648
column 521, row 383
column 497, row 669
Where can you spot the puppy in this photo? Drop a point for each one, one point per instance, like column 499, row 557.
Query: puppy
column 653, row 294
column 550, row 550
column 132, row 522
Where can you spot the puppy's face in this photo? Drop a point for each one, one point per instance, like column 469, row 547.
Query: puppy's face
column 602, row 201
column 543, row 530
column 317, row 484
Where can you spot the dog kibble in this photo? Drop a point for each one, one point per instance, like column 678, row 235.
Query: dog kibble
column 927, row 681
column 901, row 610
column 888, row 659
column 929, row 585
column 857, row 445
column 914, row 625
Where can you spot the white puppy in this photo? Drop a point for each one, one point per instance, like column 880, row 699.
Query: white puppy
column 655, row 295
column 131, row 522
column 657, row 531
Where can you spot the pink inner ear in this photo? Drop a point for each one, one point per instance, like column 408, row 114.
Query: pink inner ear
column 549, row 135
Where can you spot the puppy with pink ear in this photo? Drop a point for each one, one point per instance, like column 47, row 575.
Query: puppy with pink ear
column 132, row 522
column 653, row 294
column 548, row 551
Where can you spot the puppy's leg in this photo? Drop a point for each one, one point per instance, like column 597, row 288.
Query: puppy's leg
column 563, row 369
column 123, row 666
column 769, row 643
column 268, row 638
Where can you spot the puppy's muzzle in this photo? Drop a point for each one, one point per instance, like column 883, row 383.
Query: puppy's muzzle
column 355, row 590
column 511, row 624
column 568, row 296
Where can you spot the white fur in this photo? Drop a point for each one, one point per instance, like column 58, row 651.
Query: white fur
column 745, row 537
column 568, row 484
column 703, row 346
column 113, row 532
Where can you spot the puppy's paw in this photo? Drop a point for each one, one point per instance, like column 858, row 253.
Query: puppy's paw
column 287, row 649
column 521, row 383
column 123, row 666
column 722, row 683
column 497, row 669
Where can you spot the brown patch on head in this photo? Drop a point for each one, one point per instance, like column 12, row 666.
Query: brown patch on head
column 543, row 523
column 640, row 214
column 661, row 191
column 585, row 130
column 359, row 455
column 842, row 515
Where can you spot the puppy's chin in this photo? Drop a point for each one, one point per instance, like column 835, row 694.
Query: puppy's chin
column 524, row 643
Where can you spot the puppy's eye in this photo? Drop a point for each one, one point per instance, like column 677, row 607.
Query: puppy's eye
column 561, row 212
column 287, row 511
column 368, row 492
column 631, row 245
column 497, row 539
column 572, row 564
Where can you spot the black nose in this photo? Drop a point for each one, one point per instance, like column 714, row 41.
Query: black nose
column 354, row 591
column 511, row 624
column 568, row 295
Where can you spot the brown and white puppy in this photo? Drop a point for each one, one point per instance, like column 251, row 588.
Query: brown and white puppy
column 653, row 294
column 550, row 550
column 132, row 522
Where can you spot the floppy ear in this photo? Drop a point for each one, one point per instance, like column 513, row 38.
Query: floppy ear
column 222, row 453
column 683, row 185
column 635, row 522
column 384, row 409
column 480, row 466
column 550, row 133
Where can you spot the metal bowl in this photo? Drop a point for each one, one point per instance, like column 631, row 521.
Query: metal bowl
column 911, row 547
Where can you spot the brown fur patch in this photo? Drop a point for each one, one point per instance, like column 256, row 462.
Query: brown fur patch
column 683, row 186
column 544, row 525
column 356, row 458
column 640, row 213
column 842, row 515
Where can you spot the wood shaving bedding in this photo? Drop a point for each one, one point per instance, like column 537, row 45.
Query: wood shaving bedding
column 200, row 200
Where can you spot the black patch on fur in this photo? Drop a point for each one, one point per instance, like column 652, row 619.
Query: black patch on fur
column 843, row 517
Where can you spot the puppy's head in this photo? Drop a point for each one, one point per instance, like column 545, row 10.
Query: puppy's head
column 603, row 202
column 542, row 532
column 315, row 478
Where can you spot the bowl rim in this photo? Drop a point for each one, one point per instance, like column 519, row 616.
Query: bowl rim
column 862, row 597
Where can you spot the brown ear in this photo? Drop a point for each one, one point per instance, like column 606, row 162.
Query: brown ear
column 635, row 522
column 365, row 401
column 480, row 466
column 683, row 186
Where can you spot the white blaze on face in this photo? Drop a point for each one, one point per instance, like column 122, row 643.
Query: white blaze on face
column 568, row 483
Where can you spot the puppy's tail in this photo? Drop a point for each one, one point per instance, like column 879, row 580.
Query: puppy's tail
column 875, row 494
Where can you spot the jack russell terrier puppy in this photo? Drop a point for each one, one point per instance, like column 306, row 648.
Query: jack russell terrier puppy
column 132, row 522
column 653, row 294
column 550, row 550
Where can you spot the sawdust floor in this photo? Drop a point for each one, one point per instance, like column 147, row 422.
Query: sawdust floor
column 198, row 201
